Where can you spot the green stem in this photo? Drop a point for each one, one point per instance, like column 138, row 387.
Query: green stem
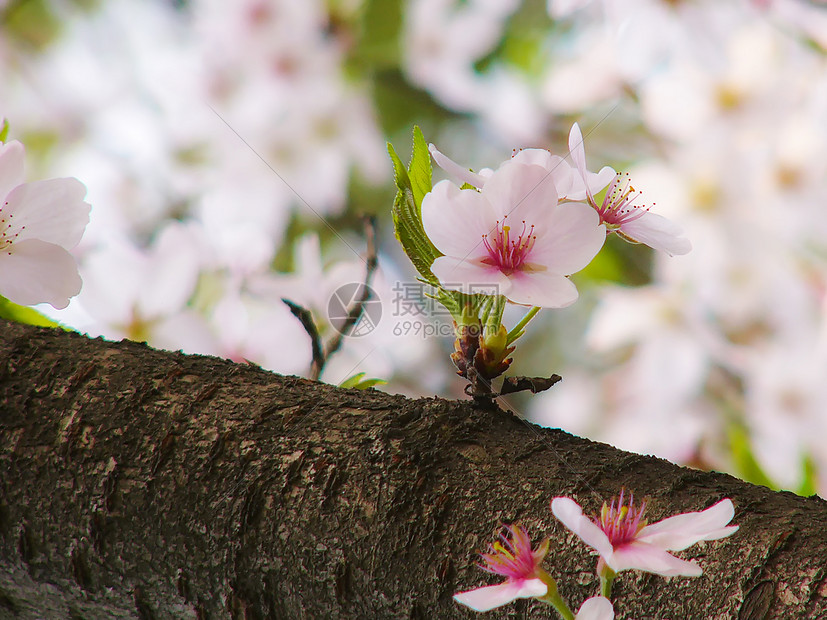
column 607, row 577
column 553, row 598
column 517, row 331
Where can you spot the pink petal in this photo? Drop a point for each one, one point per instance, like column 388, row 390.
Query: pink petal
column 521, row 192
column 455, row 170
column 577, row 150
column 574, row 237
column 571, row 515
column 52, row 211
column 596, row 608
column 640, row 556
column 658, row 233
column 594, row 181
column 681, row 531
column 12, row 156
column 455, row 220
column 33, row 272
column 490, row 597
column 540, row 288
column 565, row 178
column 469, row 275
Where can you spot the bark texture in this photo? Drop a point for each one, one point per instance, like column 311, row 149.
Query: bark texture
column 145, row 484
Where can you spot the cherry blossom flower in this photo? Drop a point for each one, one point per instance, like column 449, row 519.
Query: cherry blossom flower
column 624, row 541
column 514, row 560
column 39, row 223
column 619, row 213
column 570, row 183
column 526, row 261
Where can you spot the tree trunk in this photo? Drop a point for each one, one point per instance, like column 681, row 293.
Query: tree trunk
column 147, row 484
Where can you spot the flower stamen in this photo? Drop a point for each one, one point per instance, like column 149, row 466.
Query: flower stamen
column 505, row 253
column 617, row 207
column 621, row 522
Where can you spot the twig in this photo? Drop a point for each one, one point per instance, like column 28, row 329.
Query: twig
column 322, row 353
column 306, row 319
column 356, row 310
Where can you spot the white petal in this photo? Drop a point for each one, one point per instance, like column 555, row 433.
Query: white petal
column 171, row 268
column 52, row 211
column 455, row 220
column 573, row 237
column 521, row 192
column 12, row 156
column 658, row 233
column 596, row 608
column 681, row 531
column 541, row 288
column 577, row 150
column 455, row 170
column 490, row 597
column 640, row 556
column 571, row 515
column 33, row 272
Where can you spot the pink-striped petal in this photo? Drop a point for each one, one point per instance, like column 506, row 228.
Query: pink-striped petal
column 491, row 597
column 571, row 515
column 641, row 556
column 681, row 531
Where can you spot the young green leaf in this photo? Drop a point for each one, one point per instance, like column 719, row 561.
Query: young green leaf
column 357, row 382
column 412, row 184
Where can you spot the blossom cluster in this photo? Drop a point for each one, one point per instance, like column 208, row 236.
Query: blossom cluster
column 622, row 539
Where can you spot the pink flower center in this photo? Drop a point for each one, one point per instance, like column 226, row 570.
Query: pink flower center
column 621, row 523
column 617, row 208
column 512, row 558
column 508, row 252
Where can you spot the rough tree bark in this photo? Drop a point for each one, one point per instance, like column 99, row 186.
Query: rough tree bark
column 146, row 484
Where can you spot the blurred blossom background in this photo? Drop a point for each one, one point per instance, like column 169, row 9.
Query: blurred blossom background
column 230, row 149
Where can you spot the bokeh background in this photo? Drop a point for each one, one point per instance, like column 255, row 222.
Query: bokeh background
column 230, row 149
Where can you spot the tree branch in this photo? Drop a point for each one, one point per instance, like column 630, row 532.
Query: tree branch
column 146, row 484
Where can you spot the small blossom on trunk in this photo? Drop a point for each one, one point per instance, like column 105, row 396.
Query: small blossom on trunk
column 596, row 608
column 514, row 559
column 624, row 540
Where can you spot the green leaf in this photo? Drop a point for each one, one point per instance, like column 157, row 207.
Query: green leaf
column 419, row 170
column 357, row 382
column 412, row 184
column 4, row 132
column 809, row 475
column 23, row 314
column 746, row 465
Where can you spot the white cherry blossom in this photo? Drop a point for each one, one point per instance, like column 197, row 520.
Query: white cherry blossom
column 511, row 235
column 39, row 223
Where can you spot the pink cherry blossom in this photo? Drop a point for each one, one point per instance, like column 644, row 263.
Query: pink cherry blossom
column 515, row 560
column 512, row 235
column 624, row 541
column 39, row 223
column 571, row 185
column 618, row 212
